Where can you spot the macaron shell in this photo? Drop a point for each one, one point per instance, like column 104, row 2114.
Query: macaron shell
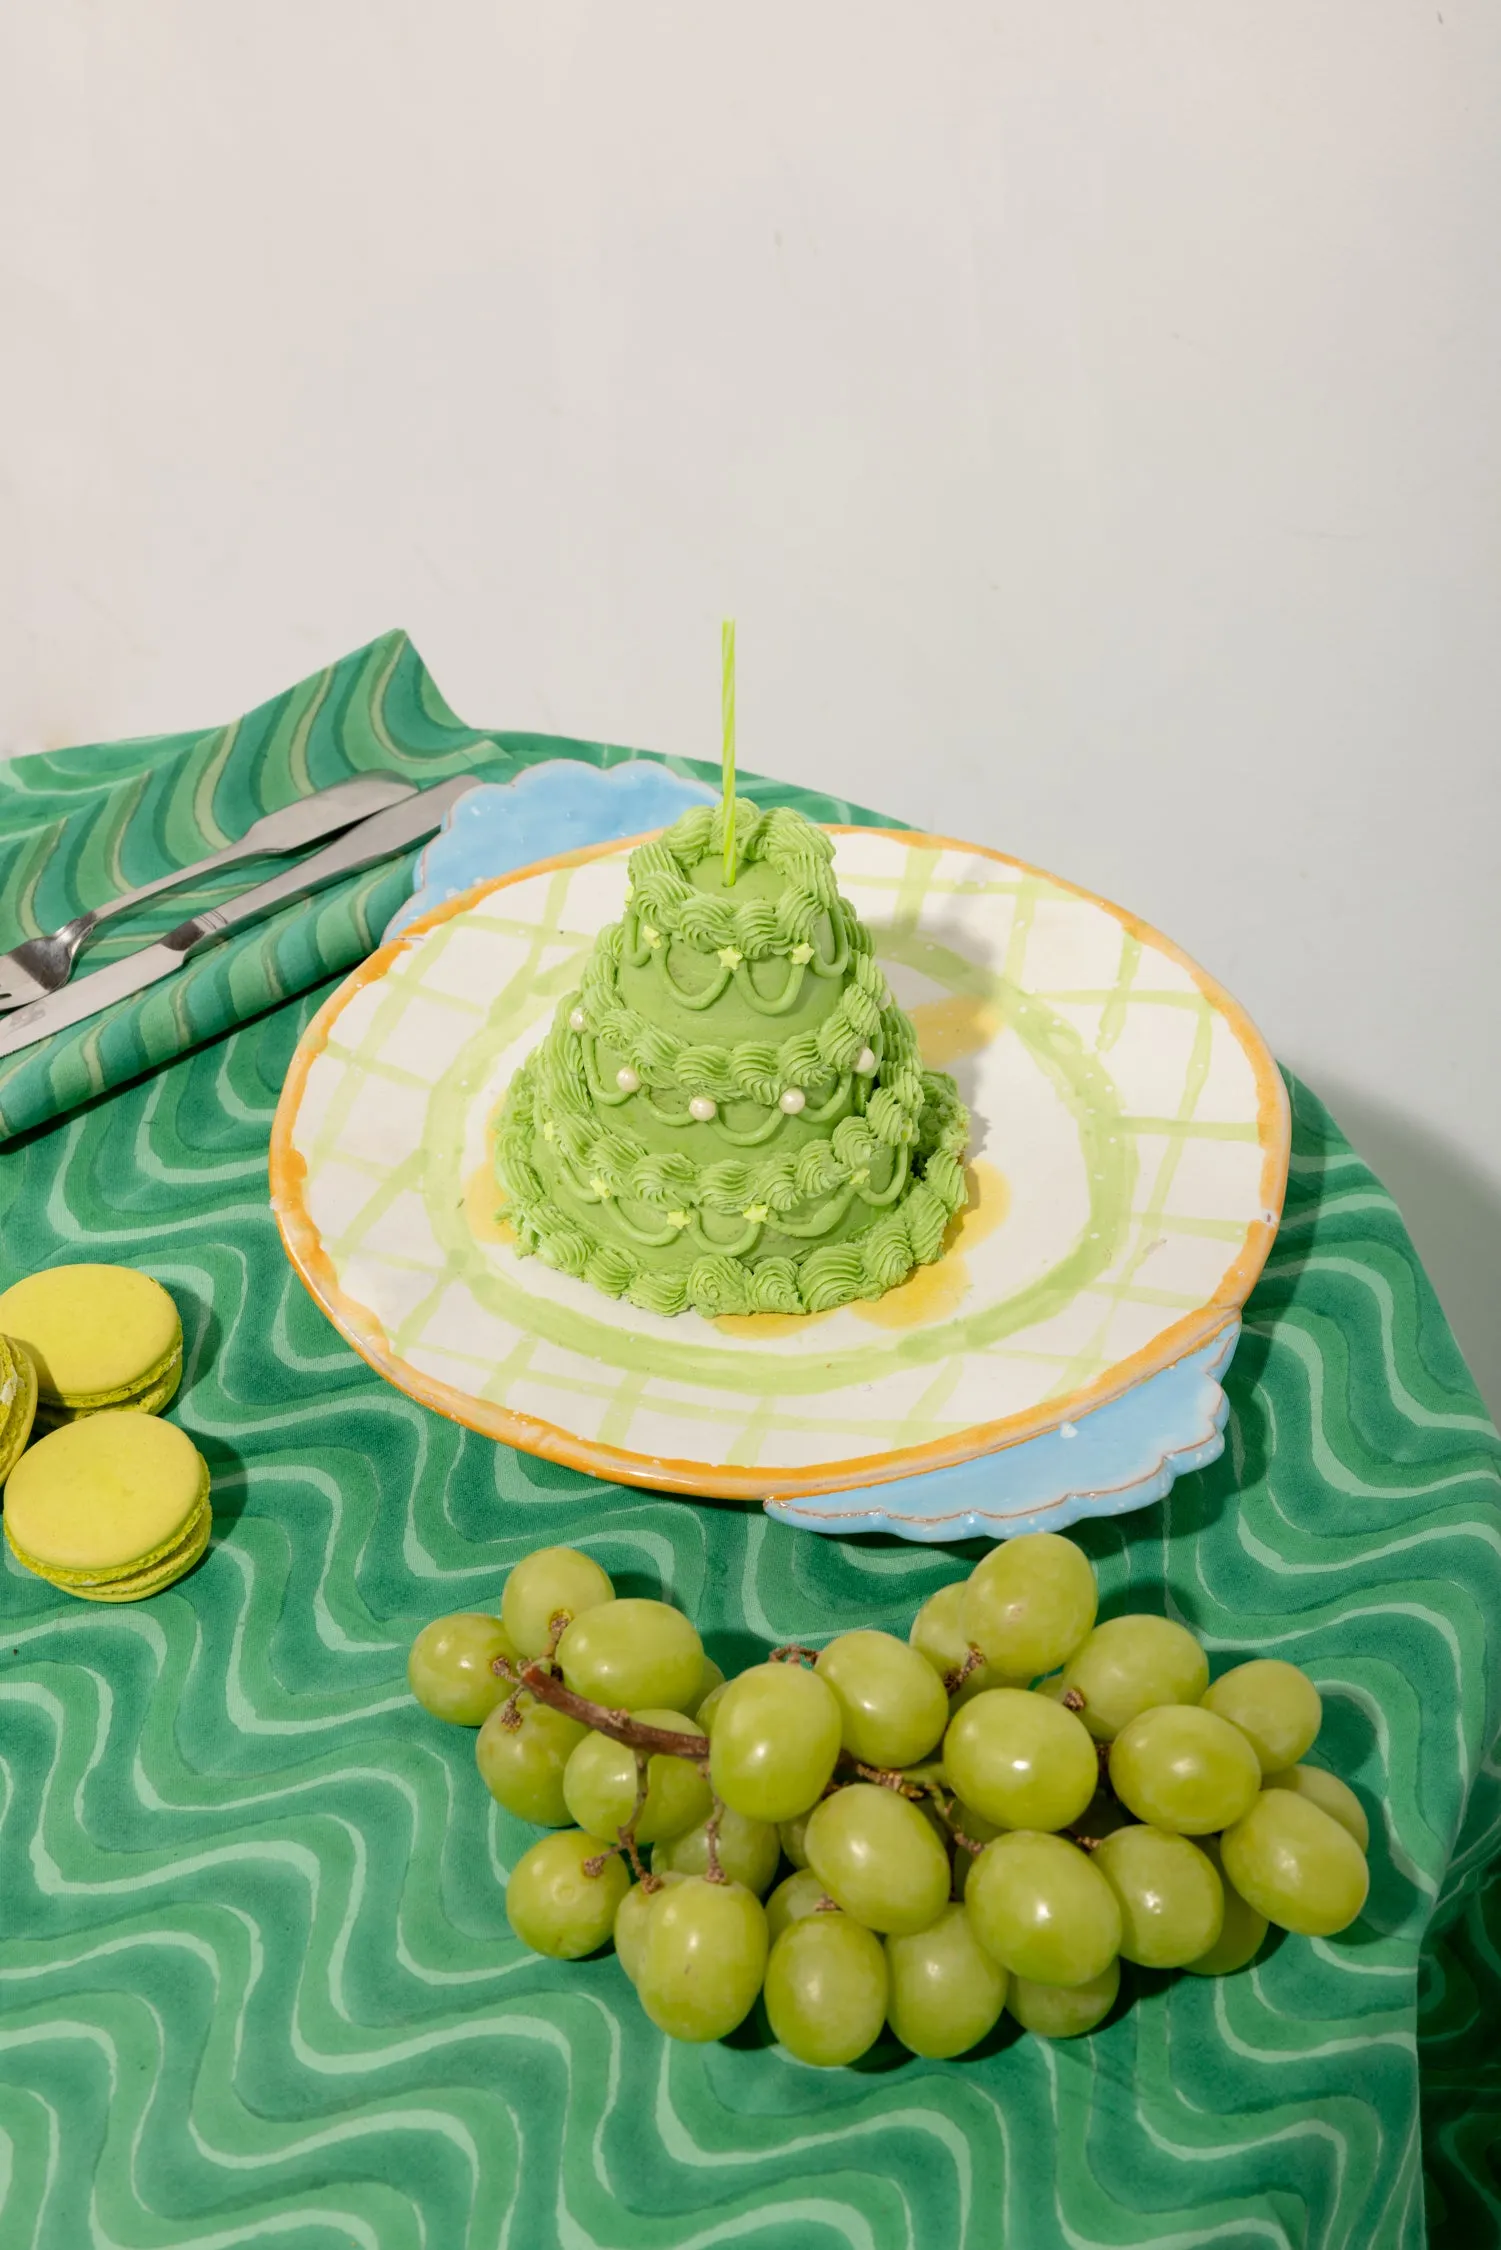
column 102, row 1496
column 84, row 1580
column 168, row 1571
column 155, row 1392
column 131, row 1585
column 17, row 1403
column 99, row 1335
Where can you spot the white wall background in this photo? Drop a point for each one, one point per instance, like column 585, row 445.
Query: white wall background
column 1090, row 409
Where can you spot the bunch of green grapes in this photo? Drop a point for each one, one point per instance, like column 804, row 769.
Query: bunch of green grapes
column 992, row 1815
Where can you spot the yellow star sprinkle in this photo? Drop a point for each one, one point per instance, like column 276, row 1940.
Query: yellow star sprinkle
column 651, row 937
column 679, row 1219
column 549, row 1130
column 730, row 957
column 602, row 1188
column 858, row 1179
column 801, row 954
column 755, row 1212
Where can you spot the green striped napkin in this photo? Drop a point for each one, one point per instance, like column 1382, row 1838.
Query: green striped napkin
column 79, row 826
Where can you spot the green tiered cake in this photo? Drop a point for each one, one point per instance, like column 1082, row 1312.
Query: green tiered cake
column 730, row 1114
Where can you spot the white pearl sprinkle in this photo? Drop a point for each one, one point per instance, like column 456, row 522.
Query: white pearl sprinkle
column 627, row 1080
column 702, row 1108
column 576, row 1020
column 865, row 1061
column 793, row 1100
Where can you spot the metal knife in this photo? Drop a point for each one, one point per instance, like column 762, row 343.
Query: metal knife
column 375, row 839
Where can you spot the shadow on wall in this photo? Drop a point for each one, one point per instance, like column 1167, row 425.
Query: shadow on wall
column 1453, row 1213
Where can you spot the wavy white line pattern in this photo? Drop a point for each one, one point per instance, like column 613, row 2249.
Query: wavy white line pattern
column 256, row 1982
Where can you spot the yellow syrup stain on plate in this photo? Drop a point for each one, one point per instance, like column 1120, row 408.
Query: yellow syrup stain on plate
column 932, row 1293
column 947, row 1029
column 484, row 1206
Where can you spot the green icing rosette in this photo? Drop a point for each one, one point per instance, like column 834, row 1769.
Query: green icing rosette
column 730, row 1113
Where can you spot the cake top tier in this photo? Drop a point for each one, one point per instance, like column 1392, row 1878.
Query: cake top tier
column 783, row 891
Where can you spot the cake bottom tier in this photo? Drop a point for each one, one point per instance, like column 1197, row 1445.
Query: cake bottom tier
column 777, row 1274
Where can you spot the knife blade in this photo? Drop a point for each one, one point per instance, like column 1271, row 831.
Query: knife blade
column 363, row 846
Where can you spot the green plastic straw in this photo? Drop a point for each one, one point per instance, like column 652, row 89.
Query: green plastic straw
column 727, row 673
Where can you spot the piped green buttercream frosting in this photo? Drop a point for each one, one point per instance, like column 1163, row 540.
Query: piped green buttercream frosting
column 729, row 1114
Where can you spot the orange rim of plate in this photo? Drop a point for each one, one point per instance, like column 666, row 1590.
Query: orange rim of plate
column 713, row 1480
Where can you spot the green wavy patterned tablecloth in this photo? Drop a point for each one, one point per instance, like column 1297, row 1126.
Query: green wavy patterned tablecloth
column 256, row 1982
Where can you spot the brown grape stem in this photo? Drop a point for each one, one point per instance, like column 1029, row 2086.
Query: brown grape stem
column 510, row 1710
column 793, row 1652
column 620, row 1726
column 713, row 1872
column 954, row 1681
column 886, row 1777
column 1071, row 1699
column 627, row 1830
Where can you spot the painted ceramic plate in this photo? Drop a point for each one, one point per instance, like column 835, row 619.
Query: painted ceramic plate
column 1128, row 1162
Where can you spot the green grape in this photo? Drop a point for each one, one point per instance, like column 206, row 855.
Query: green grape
column 631, row 1919
column 938, row 1634
column 1330, row 1794
column 629, row 1654
column 522, row 1766
column 892, row 1706
column 703, row 1959
column 1295, row 1865
column 1184, row 1768
column 748, row 1851
column 600, row 1782
column 775, row 1740
column 704, row 1715
column 1132, row 1664
column 449, row 1667
column 1055, row 2011
column 878, row 1858
column 791, row 1900
column 826, row 1989
column 793, row 1834
column 1042, row 1910
column 946, row 1991
column 1240, row 1939
column 1276, row 1707
column 1020, row 1759
column 1171, row 1899
column 557, row 1908
column 553, row 1580
column 710, row 1681
column 1029, row 1604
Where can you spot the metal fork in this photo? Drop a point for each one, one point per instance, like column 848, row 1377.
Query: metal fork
column 44, row 964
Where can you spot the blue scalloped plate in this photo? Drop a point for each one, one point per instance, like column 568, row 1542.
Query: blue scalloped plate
column 559, row 806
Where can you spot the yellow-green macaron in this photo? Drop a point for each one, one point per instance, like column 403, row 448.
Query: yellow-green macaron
column 17, row 1403
column 98, row 1336
column 112, row 1507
